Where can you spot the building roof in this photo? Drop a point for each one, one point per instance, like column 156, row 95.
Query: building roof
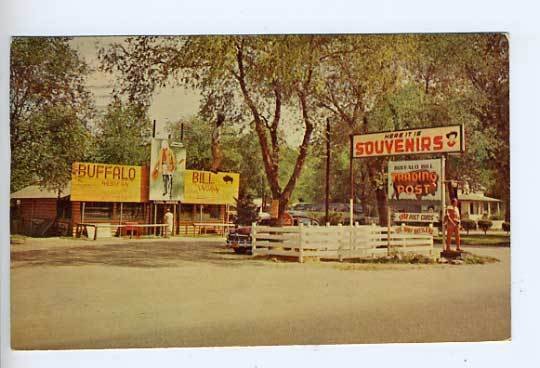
column 35, row 191
column 476, row 197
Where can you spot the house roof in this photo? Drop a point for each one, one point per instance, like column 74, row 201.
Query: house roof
column 477, row 197
column 35, row 191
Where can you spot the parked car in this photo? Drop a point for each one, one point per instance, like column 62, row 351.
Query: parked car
column 239, row 238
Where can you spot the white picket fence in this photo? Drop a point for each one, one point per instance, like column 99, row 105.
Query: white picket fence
column 336, row 242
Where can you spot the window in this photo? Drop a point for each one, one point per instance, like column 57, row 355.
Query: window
column 471, row 208
column 132, row 211
column 98, row 211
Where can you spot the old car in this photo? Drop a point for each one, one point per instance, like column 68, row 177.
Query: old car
column 239, row 238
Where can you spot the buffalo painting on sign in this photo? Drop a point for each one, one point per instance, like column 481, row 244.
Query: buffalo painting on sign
column 205, row 187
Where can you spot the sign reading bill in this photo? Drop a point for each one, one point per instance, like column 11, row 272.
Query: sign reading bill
column 167, row 166
column 413, row 141
column 418, row 179
column 205, row 187
column 95, row 182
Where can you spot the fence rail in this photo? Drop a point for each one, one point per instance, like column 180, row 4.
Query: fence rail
column 336, row 242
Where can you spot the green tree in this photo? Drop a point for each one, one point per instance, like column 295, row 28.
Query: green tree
column 49, row 109
column 123, row 136
column 262, row 75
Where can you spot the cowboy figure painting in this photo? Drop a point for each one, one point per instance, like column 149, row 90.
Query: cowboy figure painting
column 166, row 164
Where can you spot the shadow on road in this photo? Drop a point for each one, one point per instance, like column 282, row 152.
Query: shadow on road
column 132, row 254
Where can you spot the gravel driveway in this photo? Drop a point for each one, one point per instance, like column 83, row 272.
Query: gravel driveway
column 171, row 293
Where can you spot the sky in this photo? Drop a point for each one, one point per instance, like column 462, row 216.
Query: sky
column 168, row 105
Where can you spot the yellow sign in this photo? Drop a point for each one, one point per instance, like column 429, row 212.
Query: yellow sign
column 91, row 182
column 206, row 187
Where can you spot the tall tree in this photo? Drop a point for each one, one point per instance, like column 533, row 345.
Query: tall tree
column 262, row 75
column 123, row 135
column 49, row 109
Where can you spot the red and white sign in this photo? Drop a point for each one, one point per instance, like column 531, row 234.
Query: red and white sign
column 415, row 217
column 407, row 142
column 417, row 180
column 415, row 230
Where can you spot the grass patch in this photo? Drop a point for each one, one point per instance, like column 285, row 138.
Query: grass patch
column 396, row 259
column 469, row 258
column 500, row 240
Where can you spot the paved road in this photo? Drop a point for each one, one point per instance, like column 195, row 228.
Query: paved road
column 78, row 294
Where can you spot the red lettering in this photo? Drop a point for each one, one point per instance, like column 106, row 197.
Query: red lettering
column 359, row 149
column 426, row 143
column 369, row 148
column 399, row 145
column 438, row 143
column 379, row 147
column 388, row 145
column 409, row 145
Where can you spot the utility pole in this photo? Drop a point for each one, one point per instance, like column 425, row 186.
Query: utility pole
column 327, row 198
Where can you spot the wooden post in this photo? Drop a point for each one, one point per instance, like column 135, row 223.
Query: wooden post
column 301, row 244
column 253, row 238
column 82, row 213
column 340, row 242
column 351, row 174
column 389, row 231
column 155, row 219
column 121, row 211
column 327, row 187
column 174, row 220
column 443, row 200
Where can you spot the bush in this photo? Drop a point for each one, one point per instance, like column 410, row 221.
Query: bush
column 468, row 225
column 496, row 217
column 334, row 218
column 485, row 225
column 506, row 226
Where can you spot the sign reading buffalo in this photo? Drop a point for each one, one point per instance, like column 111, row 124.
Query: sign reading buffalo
column 97, row 182
column 419, row 179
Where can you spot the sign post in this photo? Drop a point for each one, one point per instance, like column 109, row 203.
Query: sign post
column 443, row 200
column 351, row 200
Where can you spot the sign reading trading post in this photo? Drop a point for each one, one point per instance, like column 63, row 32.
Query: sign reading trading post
column 418, row 179
column 412, row 141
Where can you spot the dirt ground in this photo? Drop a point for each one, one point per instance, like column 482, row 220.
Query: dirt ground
column 69, row 293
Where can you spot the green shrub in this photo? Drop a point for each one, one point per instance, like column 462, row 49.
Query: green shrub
column 334, row 218
column 506, row 226
column 468, row 225
column 485, row 225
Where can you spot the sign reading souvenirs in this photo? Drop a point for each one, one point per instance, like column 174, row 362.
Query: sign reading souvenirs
column 412, row 141
column 205, row 187
column 167, row 166
column 418, row 179
column 415, row 217
column 93, row 182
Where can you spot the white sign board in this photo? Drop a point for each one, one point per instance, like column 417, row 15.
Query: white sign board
column 415, row 217
column 417, row 179
column 407, row 142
